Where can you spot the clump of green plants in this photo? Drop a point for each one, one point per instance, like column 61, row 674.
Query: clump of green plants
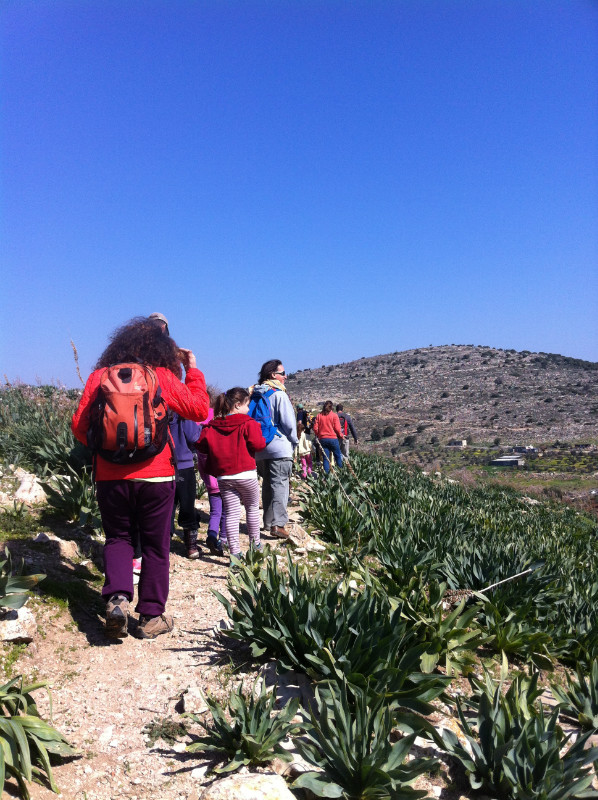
column 26, row 740
column 580, row 699
column 72, row 495
column 247, row 730
column 15, row 589
column 348, row 740
column 514, row 750
column 167, row 729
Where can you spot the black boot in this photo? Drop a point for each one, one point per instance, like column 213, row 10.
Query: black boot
column 191, row 544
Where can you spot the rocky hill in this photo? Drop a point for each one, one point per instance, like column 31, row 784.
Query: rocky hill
column 436, row 394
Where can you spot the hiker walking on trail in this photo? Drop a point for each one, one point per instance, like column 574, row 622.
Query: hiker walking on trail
column 216, row 533
column 230, row 442
column 135, row 381
column 328, row 430
column 184, row 434
column 346, row 428
column 304, row 451
column 275, row 462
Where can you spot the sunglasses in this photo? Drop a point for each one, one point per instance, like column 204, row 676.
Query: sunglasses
column 281, row 373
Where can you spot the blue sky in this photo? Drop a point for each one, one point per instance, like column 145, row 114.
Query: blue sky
column 308, row 180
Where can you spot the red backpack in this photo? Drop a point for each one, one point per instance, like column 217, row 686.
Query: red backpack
column 129, row 418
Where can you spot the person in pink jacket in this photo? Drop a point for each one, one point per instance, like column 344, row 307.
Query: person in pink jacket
column 139, row 496
column 327, row 428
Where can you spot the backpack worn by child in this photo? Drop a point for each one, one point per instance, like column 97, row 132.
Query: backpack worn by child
column 129, row 418
column 260, row 410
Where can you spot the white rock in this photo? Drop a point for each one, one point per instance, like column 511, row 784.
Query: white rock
column 198, row 773
column 106, row 734
column 248, row 787
column 194, row 701
column 179, row 747
column 30, row 491
column 18, row 625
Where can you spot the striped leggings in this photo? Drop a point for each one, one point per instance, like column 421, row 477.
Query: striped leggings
column 235, row 492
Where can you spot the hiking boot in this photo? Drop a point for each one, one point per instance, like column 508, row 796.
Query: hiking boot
column 190, row 538
column 117, row 615
column 214, row 546
column 150, row 627
column 280, row 532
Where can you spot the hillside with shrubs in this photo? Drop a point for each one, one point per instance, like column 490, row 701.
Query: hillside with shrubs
column 417, row 638
column 433, row 395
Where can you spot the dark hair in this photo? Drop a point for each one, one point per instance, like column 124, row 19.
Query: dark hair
column 339, row 406
column 267, row 369
column 327, row 407
column 299, row 428
column 142, row 340
column 226, row 401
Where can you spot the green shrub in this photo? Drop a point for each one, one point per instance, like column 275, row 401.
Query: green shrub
column 248, row 731
column 514, row 751
column 26, row 740
column 580, row 699
column 349, row 740
column 15, row 589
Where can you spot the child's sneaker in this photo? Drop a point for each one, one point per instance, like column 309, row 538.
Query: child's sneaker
column 117, row 615
column 136, row 570
column 214, row 546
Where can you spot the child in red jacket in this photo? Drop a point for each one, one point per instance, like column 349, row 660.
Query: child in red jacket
column 230, row 441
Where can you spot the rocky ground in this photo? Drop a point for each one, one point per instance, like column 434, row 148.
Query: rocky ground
column 119, row 702
column 459, row 391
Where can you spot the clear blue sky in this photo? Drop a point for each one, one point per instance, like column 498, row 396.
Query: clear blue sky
column 309, row 180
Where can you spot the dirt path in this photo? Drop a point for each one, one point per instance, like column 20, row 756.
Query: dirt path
column 106, row 695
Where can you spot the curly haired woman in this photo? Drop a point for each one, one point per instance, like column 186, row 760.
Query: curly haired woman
column 138, row 498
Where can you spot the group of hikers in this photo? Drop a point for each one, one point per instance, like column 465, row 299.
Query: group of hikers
column 148, row 429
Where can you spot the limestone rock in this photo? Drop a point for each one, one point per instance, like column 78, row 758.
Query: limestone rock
column 67, row 549
column 194, row 701
column 249, row 787
column 30, row 491
column 17, row 625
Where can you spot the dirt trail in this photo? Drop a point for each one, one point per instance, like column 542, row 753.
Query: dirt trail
column 105, row 693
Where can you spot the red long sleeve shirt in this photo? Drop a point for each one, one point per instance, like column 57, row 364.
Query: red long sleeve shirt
column 327, row 426
column 188, row 399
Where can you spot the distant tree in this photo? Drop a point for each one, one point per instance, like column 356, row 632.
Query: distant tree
column 497, row 441
column 421, row 428
column 389, row 430
column 409, row 441
column 444, row 394
column 375, row 435
column 434, row 440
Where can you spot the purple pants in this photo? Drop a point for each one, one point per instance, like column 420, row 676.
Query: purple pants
column 217, row 520
column 126, row 506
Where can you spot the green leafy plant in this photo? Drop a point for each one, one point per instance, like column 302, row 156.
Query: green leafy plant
column 248, row 730
column 328, row 633
column 580, row 699
column 26, row 740
column 15, row 589
column 514, row 750
column 73, row 496
column 349, row 740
